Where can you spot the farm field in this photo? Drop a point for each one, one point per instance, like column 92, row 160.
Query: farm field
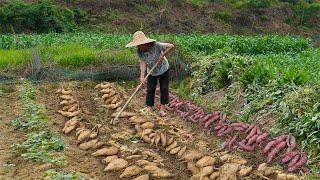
column 92, row 115
column 270, row 82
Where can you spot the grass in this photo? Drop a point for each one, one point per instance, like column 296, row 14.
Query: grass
column 82, row 49
column 14, row 57
column 69, row 55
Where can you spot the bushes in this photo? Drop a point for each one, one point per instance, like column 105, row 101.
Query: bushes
column 41, row 17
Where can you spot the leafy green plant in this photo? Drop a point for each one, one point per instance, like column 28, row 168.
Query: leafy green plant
column 33, row 116
column 52, row 174
column 41, row 16
column 41, row 147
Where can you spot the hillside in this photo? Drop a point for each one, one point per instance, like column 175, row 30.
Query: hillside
column 183, row 16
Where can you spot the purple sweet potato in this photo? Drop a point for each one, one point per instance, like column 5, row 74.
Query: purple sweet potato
column 288, row 156
column 218, row 127
column 250, row 128
column 252, row 132
column 206, row 117
column 292, row 142
column 246, row 147
column 294, row 160
column 233, row 140
column 268, row 146
column 239, row 128
column 210, row 121
column 225, row 127
column 281, row 138
column 252, row 140
column 228, row 130
column 179, row 104
column 302, row 161
column 262, row 137
column 275, row 150
column 258, row 130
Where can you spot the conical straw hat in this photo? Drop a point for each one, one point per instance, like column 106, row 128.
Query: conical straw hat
column 139, row 38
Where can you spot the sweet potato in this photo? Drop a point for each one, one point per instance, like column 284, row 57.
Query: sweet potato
column 84, row 135
column 262, row 137
column 73, row 114
column 252, row 132
column 206, row 117
column 143, row 162
column 161, row 173
column 294, row 160
column 88, row 145
column 73, row 108
column 93, row 135
column 218, row 127
column 192, row 155
column 108, row 159
column 149, row 153
column 273, row 153
column 136, row 156
column 116, row 165
column 292, row 143
column 175, row 150
column 157, row 139
column 250, row 128
column 210, row 121
column 268, row 146
column 206, row 161
column 258, row 130
column 67, row 102
column 239, row 128
column 182, row 151
column 99, row 144
column 106, row 90
column 147, row 125
column 232, row 141
column 146, row 132
column 288, row 156
column 245, row 171
column 205, row 171
column 228, row 130
column 193, row 168
column 225, row 127
column 66, row 97
column 280, row 138
column 146, row 139
column 302, row 161
column 171, row 146
column 246, row 147
column 124, row 114
column 214, row 175
column 106, row 151
column 142, row 177
column 170, row 140
column 137, row 120
column 163, row 139
column 252, row 140
column 304, row 169
column 130, row 171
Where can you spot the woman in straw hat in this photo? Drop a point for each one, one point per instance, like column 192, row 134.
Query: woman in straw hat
column 150, row 52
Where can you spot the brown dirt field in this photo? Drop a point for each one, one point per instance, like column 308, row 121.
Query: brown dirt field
column 82, row 161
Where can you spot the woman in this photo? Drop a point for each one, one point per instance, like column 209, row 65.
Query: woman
column 150, row 52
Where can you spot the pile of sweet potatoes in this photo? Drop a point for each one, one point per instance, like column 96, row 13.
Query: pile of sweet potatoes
column 252, row 135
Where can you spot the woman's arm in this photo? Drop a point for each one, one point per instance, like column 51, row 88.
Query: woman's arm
column 166, row 50
column 143, row 67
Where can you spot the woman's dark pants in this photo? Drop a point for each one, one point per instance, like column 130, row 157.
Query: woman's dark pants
column 164, row 88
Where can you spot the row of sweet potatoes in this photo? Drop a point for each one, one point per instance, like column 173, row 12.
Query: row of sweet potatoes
column 283, row 145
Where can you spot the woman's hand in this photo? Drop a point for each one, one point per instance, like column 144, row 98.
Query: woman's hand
column 161, row 58
column 142, row 81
